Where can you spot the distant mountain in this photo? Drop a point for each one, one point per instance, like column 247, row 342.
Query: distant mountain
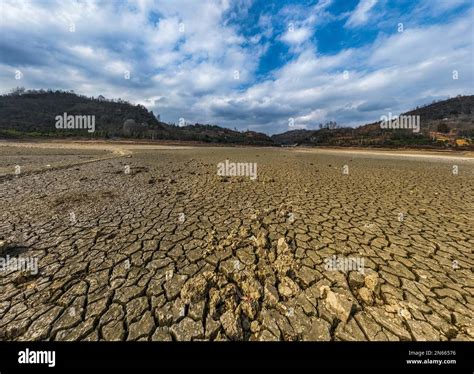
column 455, row 114
column 26, row 113
column 33, row 113
column 456, row 107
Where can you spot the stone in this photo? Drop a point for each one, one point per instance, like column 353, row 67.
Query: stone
column 161, row 334
column 366, row 295
column 288, row 288
column 372, row 282
column 356, row 280
column 349, row 331
column 39, row 329
column 267, row 336
column 113, row 331
column 212, row 328
column 423, row 331
column 282, row 246
column 319, row 331
column 251, row 288
column 142, row 328
column 307, row 276
column 249, row 308
column 187, row 330
column 262, row 239
column 339, row 304
column 174, row 285
column 135, row 308
column 231, row 324
column 195, row 289
column 196, row 310
column 271, row 296
column 394, row 325
column 254, row 327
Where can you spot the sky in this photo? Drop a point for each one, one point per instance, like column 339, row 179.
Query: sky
column 267, row 66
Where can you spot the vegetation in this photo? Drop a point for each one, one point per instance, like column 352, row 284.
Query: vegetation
column 31, row 113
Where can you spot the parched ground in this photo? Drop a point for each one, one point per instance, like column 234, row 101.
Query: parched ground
column 171, row 251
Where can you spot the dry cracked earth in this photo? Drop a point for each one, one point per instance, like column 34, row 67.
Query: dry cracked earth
column 172, row 251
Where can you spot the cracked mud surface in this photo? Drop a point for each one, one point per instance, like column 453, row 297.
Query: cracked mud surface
column 171, row 251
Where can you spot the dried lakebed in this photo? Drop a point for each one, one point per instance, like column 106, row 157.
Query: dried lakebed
column 149, row 243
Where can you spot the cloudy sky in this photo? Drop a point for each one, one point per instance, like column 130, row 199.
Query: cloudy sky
column 262, row 65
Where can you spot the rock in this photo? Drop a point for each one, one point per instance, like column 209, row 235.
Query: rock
column 113, row 331
column 288, row 288
column 307, row 276
column 282, row 246
column 339, row 304
column 196, row 288
column 144, row 327
column 246, row 255
column 271, row 294
column 366, row 295
column 174, row 285
column 231, row 324
column 254, row 327
column 323, row 290
column 441, row 325
column 284, row 258
column 135, row 308
column 356, row 280
column 244, row 232
column 251, row 288
column 68, row 319
column 249, row 309
column 267, row 336
column 196, row 310
column 299, row 321
column 262, row 238
column 307, row 303
column 187, row 330
column 283, row 263
column 268, row 320
column 320, row 331
column 423, row 331
column 349, row 332
column 38, row 330
column 212, row 328
column 164, row 315
column 394, row 325
column 371, row 329
column 178, row 310
column 78, row 332
column 372, row 282
column 404, row 313
column 125, row 294
column 161, row 334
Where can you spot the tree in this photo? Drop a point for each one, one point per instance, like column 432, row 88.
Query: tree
column 18, row 91
column 443, row 127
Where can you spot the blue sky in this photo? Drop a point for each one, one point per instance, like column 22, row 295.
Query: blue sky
column 267, row 66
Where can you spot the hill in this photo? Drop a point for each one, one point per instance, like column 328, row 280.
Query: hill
column 32, row 113
column 454, row 117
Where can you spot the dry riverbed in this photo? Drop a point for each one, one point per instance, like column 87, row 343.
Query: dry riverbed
column 145, row 242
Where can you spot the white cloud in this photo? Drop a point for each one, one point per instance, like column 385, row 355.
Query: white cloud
column 296, row 36
column 361, row 13
column 191, row 74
